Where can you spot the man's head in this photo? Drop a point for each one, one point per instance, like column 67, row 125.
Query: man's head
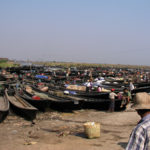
column 125, row 90
column 143, row 112
column 142, row 103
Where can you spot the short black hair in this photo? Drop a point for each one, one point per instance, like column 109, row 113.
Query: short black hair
column 125, row 89
column 142, row 111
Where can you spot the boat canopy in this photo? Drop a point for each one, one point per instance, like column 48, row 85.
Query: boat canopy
column 41, row 77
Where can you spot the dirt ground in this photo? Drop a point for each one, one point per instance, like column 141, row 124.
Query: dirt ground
column 64, row 131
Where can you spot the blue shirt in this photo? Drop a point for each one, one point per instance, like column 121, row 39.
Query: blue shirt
column 140, row 136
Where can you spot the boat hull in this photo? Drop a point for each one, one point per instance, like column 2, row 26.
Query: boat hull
column 25, row 113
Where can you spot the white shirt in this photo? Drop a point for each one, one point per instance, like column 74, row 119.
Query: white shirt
column 131, row 86
column 112, row 95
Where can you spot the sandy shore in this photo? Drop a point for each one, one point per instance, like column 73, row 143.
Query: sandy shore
column 64, row 131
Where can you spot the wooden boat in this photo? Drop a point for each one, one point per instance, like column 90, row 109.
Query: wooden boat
column 21, row 107
column 98, row 95
column 41, row 104
column 101, row 104
column 36, row 99
column 4, row 108
column 60, row 101
column 115, row 85
column 143, row 84
column 141, row 89
column 85, row 100
column 91, row 100
column 57, row 95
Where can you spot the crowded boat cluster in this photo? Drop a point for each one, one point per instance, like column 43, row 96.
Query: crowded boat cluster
column 29, row 89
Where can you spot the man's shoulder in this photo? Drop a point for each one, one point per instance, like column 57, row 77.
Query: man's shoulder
column 143, row 126
column 112, row 93
column 129, row 93
column 139, row 136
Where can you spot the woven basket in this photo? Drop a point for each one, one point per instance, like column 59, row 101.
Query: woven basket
column 92, row 130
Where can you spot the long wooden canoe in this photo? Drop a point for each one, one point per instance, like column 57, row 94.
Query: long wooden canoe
column 4, row 108
column 21, row 107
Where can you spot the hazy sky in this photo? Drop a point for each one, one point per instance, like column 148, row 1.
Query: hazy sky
column 94, row 31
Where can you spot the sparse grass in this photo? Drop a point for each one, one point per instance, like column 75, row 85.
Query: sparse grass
column 88, row 65
column 7, row 64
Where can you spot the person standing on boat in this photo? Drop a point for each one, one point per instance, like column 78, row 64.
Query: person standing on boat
column 18, row 85
column 88, row 86
column 131, row 86
column 99, row 89
column 112, row 96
